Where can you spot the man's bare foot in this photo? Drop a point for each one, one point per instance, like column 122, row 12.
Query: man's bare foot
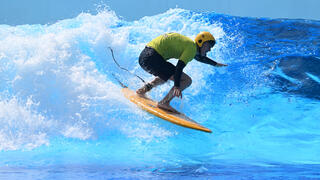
column 167, row 107
column 144, row 89
column 141, row 93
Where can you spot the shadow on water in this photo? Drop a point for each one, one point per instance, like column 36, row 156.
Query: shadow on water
column 298, row 75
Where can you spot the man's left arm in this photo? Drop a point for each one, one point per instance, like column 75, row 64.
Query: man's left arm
column 206, row 60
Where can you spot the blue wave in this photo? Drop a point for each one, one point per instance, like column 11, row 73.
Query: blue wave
column 59, row 100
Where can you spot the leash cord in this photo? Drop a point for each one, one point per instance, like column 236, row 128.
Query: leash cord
column 124, row 68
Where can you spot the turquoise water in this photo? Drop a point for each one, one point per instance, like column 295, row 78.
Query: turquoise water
column 62, row 114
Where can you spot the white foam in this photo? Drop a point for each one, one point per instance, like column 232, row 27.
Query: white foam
column 66, row 70
column 22, row 127
column 47, row 64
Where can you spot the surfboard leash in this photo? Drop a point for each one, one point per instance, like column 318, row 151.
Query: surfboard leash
column 124, row 68
column 121, row 84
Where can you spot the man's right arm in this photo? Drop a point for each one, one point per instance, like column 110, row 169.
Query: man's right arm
column 206, row 60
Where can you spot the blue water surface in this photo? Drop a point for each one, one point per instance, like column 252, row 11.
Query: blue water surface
column 62, row 114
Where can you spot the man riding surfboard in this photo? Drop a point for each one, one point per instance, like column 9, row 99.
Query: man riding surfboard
column 153, row 59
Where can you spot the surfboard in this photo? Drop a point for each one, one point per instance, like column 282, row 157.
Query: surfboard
column 151, row 106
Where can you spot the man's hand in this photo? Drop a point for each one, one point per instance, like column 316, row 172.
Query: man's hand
column 220, row 65
column 177, row 92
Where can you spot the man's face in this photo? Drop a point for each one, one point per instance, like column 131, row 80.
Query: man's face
column 206, row 47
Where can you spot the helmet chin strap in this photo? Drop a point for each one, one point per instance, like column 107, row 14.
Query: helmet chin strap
column 198, row 50
column 200, row 53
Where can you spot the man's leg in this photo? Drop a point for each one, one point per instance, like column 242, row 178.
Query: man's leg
column 185, row 82
column 147, row 87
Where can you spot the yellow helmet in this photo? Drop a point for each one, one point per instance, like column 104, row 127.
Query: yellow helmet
column 203, row 37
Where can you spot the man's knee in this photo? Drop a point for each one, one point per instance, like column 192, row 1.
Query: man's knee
column 189, row 81
column 186, row 81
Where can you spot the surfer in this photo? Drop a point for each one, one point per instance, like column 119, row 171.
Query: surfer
column 154, row 56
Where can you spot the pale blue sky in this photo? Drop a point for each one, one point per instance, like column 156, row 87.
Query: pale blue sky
column 15, row 12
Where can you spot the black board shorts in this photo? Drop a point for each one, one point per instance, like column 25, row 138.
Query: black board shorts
column 152, row 62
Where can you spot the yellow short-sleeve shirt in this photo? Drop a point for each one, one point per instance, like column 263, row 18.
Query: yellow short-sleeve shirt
column 174, row 45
